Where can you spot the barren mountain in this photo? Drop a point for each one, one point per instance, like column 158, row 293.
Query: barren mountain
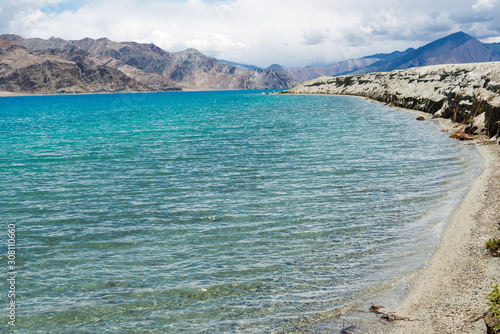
column 22, row 70
column 157, row 68
column 189, row 68
column 78, row 51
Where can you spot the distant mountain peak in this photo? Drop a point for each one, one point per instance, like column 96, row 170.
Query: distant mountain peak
column 458, row 47
column 11, row 38
column 191, row 51
column 276, row 67
column 460, row 34
column 454, row 39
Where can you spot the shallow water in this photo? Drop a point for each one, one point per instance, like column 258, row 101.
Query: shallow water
column 213, row 212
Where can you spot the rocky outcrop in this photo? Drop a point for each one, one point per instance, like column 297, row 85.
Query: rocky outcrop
column 26, row 71
column 464, row 92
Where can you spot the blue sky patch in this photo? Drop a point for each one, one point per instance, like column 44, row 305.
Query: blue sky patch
column 69, row 5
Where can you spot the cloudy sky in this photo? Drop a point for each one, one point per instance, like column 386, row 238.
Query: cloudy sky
column 258, row 32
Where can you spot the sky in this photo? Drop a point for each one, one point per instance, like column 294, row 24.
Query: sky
column 293, row 33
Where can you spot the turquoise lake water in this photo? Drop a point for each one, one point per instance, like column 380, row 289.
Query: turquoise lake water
column 216, row 212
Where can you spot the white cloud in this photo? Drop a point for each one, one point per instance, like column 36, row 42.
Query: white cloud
column 290, row 32
column 316, row 36
column 484, row 5
column 162, row 39
column 214, row 43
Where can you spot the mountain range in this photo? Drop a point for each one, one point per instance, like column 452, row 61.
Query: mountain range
column 88, row 65
column 129, row 66
column 456, row 48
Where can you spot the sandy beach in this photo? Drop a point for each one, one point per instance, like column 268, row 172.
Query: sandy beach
column 7, row 94
column 448, row 295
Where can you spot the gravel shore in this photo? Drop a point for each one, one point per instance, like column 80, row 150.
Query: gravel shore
column 448, row 296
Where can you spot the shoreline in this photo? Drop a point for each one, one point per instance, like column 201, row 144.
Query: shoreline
column 449, row 293
column 184, row 90
column 12, row 94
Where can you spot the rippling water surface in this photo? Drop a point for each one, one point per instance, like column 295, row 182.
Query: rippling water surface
column 216, row 212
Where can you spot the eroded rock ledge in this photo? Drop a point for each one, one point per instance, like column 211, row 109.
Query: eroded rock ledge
column 465, row 93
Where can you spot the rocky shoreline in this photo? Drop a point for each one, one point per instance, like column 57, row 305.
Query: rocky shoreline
column 465, row 93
